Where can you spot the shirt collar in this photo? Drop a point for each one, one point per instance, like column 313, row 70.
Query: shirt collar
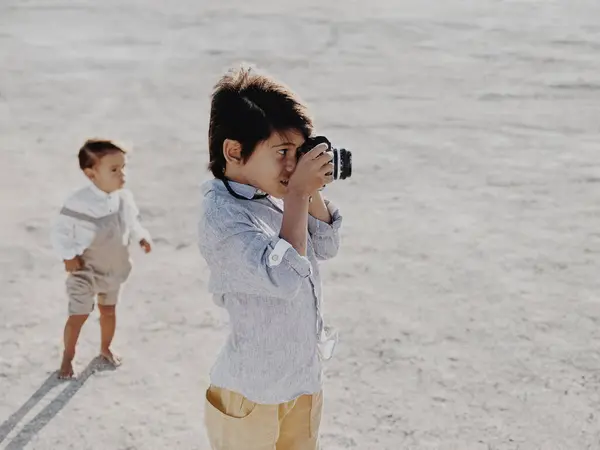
column 245, row 190
column 99, row 192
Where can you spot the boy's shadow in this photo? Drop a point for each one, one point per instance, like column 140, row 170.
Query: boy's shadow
column 35, row 425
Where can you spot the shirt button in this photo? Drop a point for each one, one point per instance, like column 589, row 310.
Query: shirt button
column 274, row 257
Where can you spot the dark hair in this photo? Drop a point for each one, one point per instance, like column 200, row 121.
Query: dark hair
column 248, row 107
column 94, row 149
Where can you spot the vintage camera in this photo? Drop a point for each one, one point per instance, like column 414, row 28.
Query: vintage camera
column 342, row 158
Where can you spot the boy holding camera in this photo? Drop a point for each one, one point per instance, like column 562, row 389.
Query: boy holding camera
column 264, row 225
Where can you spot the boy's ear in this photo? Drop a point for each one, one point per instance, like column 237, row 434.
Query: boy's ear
column 232, row 151
column 89, row 173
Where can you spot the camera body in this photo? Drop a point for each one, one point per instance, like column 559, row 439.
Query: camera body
column 342, row 158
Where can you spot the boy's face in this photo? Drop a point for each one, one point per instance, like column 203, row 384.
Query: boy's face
column 272, row 163
column 108, row 174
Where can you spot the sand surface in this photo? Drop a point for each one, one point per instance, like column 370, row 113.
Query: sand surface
column 467, row 287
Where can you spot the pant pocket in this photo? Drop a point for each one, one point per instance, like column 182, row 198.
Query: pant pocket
column 234, row 422
column 316, row 412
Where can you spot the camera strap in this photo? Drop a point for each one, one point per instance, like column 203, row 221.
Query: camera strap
column 241, row 197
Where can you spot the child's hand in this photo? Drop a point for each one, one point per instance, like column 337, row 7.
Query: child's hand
column 313, row 171
column 146, row 245
column 73, row 265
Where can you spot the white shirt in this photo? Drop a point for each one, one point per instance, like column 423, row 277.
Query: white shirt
column 70, row 237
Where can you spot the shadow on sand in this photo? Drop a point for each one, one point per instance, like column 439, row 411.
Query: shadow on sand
column 35, row 425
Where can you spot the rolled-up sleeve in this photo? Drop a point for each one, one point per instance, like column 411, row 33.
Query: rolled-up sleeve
column 63, row 238
column 325, row 236
column 243, row 258
column 70, row 237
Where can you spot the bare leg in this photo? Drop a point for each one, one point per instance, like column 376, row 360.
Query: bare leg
column 71, row 335
column 108, row 323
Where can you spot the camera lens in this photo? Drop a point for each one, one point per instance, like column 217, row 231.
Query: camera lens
column 345, row 164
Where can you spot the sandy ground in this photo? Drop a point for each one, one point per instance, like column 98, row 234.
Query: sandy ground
column 467, row 286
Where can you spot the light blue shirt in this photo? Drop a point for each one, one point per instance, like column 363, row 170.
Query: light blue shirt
column 273, row 295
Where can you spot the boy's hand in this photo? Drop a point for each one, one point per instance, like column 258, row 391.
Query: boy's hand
column 73, row 265
column 313, row 171
column 146, row 245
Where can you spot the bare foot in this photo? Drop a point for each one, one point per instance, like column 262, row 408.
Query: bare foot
column 111, row 357
column 66, row 369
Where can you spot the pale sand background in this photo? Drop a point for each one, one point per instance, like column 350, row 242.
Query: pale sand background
column 467, row 286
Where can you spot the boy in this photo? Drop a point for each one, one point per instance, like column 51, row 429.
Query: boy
column 263, row 226
column 91, row 236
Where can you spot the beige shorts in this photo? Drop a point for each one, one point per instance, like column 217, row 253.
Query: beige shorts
column 235, row 423
column 83, row 289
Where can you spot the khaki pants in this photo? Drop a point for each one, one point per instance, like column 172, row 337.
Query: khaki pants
column 235, row 423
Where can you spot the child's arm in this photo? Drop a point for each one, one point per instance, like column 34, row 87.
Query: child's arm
column 243, row 258
column 318, row 208
column 324, row 223
column 132, row 218
column 311, row 173
column 63, row 236
column 295, row 221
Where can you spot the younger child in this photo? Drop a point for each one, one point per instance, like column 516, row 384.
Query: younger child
column 91, row 236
